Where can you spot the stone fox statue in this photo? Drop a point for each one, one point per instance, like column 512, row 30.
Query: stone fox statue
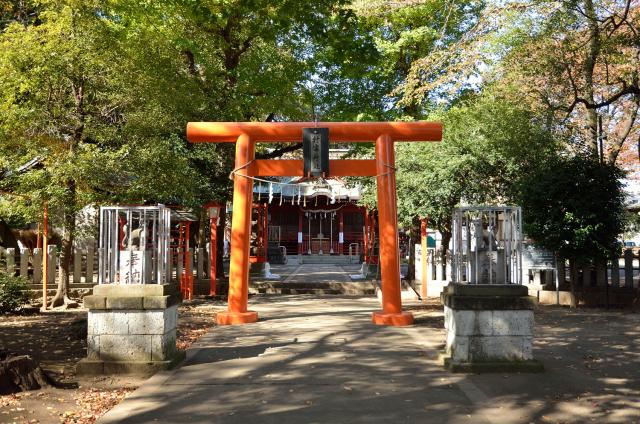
column 133, row 243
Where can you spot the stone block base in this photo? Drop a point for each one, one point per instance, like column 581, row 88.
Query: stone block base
column 489, row 328
column 131, row 329
column 97, row 367
column 531, row 366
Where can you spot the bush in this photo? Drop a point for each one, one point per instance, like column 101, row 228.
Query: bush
column 13, row 292
column 574, row 206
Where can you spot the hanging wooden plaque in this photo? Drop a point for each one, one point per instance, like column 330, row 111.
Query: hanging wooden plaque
column 315, row 147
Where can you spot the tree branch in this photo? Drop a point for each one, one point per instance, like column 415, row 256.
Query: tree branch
column 617, row 146
column 280, row 151
column 626, row 89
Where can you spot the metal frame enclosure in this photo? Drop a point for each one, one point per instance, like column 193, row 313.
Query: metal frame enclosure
column 487, row 245
column 134, row 245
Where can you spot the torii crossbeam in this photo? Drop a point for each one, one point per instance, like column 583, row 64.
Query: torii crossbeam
column 247, row 134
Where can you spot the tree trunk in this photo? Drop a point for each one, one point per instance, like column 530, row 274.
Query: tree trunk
column 573, row 280
column 69, row 227
column 446, row 238
column 202, row 226
column 414, row 237
column 587, row 71
column 21, row 373
column 69, row 200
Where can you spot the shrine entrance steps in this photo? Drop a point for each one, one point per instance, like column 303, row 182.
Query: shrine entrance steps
column 327, row 259
column 316, row 279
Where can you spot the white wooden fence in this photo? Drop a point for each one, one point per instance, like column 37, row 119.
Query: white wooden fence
column 622, row 272
column 28, row 263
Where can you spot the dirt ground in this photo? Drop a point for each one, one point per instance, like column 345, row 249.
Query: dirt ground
column 57, row 340
column 595, row 349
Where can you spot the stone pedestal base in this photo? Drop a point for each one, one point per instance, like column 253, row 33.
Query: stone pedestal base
column 131, row 329
column 398, row 320
column 489, row 328
column 236, row 318
column 87, row 366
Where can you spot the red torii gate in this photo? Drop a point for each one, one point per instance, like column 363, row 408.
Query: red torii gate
column 247, row 134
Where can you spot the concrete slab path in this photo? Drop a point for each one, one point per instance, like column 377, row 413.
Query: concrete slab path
column 319, row 360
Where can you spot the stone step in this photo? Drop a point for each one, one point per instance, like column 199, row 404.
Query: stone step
column 317, row 292
column 325, row 259
column 75, row 291
column 359, row 288
column 53, row 286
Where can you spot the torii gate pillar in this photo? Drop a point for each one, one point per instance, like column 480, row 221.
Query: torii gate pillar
column 246, row 134
column 389, row 261
column 240, row 237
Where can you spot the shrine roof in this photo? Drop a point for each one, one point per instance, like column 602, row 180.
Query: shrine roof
column 294, row 186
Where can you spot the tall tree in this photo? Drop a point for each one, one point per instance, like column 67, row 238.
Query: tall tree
column 98, row 93
column 488, row 144
column 395, row 35
column 574, row 61
column 54, row 78
column 572, row 205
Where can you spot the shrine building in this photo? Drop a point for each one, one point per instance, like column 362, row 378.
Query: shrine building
column 302, row 216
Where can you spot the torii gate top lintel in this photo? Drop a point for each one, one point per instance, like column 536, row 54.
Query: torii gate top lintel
column 247, row 134
column 291, row 132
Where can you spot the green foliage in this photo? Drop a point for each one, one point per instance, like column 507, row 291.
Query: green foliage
column 487, row 145
column 632, row 226
column 13, row 292
column 59, row 101
column 101, row 93
column 573, row 62
column 573, row 206
column 368, row 84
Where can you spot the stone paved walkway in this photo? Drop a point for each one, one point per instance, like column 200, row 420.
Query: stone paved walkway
column 321, row 273
column 319, row 360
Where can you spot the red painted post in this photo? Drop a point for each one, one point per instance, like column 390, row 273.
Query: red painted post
column 265, row 232
column 187, row 264
column 372, row 239
column 423, row 259
column 300, row 237
column 366, row 237
column 213, row 255
column 240, row 236
column 181, row 247
column 389, row 259
column 341, row 232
